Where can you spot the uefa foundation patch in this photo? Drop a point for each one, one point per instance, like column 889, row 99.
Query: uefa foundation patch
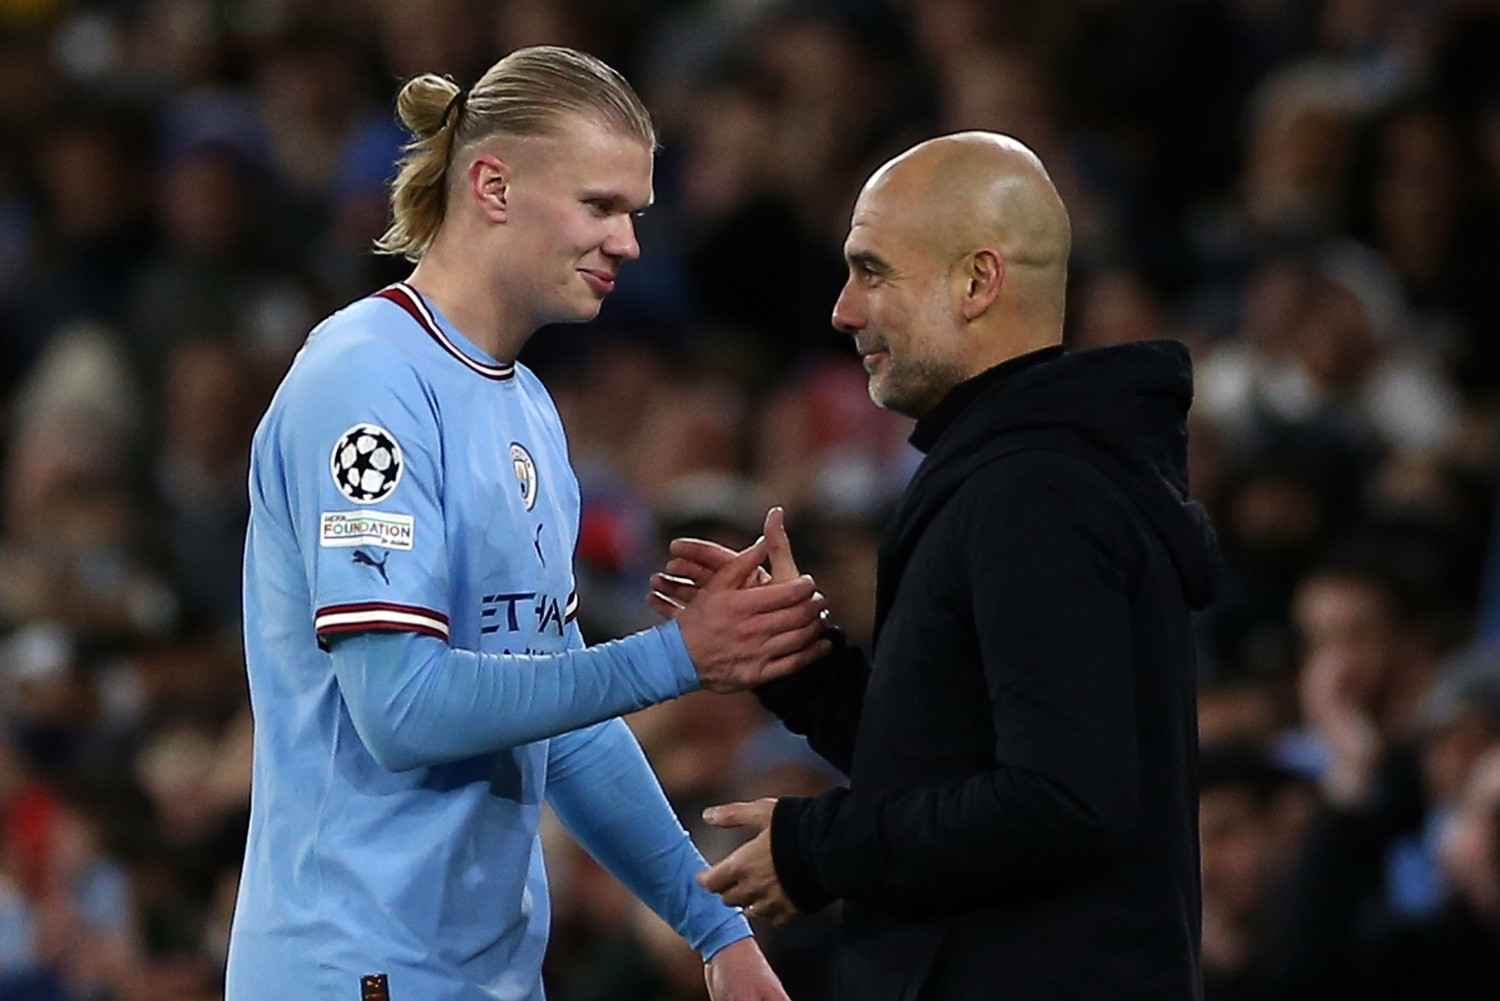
column 366, row 528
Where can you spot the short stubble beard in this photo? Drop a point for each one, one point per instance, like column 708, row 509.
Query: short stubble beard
column 914, row 387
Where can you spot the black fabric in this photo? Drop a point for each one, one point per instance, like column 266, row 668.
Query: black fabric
column 1021, row 818
column 932, row 425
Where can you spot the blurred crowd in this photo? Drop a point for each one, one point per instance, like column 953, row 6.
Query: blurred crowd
column 1307, row 192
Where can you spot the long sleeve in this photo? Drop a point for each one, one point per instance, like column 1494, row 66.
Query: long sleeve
column 416, row 701
column 604, row 791
column 822, row 702
column 1046, row 566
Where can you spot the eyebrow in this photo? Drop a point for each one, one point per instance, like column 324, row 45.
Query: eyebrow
column 617, row 201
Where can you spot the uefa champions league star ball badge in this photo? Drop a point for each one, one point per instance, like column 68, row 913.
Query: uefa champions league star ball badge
column 366, row 463
column 525, row 469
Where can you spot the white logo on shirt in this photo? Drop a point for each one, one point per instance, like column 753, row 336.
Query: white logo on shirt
column 366, row 528
column 366, row 463
column 525, row 469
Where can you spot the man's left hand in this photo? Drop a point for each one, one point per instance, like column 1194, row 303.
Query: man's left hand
column 747, row 878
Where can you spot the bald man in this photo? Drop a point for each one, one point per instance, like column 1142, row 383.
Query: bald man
column 1021, row 815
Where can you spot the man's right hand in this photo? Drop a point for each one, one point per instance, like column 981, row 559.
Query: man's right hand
column 741, row 636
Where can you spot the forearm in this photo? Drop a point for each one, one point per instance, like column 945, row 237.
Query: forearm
column 415, row 701
column 822, row 702
column 603, row 789
column 940, row 846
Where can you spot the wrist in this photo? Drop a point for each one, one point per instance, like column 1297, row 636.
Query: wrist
column 730, row 950
column 678, row 657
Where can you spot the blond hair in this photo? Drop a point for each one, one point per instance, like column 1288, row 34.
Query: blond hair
column 525, row 94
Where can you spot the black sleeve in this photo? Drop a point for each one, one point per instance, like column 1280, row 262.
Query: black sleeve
column 1050, row 553
column 822, row 702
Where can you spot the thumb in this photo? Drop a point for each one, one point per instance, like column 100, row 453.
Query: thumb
column 734, row 573
column 779, row 547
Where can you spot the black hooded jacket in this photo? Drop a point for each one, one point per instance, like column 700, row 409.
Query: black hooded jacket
column 1021, row 819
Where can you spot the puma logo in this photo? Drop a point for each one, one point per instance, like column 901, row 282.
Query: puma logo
column 360, row 556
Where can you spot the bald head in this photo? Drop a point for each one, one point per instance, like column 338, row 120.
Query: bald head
column 958, row 259
column 972, row 190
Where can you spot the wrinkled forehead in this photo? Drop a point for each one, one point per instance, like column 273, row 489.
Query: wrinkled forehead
column 892, row 212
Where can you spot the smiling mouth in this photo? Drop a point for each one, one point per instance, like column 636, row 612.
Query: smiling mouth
column 601, row 282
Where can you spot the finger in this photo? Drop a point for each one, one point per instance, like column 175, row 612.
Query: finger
column 782, row 620
column 796, row 640
column 741, row 895
column 732, row 815
column 737, row 571
column 710, row 555
column 696, row 574
column 662, row 605
column 672, row 578
column 774, row 596
column 719, row 878
column 689, row 570
column 673, row 589
column 783, row 566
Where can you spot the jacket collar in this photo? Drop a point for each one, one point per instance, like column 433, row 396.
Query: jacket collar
column 940, row 417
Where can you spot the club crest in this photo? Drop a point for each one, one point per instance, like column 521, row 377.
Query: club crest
column 525, row 470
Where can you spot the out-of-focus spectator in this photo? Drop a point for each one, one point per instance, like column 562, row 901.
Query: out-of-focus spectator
column 72, row 545
column 92, row 227
column 1325, row 347
column 1369, row 917
column 1309, row 194
column 1252, row 816
column 212, row 398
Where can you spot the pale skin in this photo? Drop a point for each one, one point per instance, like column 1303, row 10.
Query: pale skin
column 957, row 255
column 535, row 231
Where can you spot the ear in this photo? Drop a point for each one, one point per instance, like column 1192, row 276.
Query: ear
column 981, row 274
column 488, row 184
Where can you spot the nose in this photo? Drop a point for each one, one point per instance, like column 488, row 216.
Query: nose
column 848, row 312
column 621, row 242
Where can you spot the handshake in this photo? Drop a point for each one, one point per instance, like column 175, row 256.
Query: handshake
column 743, row 626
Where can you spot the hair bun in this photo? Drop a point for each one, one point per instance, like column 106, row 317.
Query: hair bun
column 424, row 103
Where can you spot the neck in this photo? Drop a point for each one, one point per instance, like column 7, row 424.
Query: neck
column 460, row 291
column 1010, row 340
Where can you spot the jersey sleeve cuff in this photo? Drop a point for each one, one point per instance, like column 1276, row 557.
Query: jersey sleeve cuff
column 730, row 932
column 677, row 656
column 377, row 616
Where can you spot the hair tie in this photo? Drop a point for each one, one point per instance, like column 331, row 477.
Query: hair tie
column 455, row 107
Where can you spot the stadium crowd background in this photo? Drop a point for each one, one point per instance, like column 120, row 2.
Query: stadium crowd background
column 1307, row 193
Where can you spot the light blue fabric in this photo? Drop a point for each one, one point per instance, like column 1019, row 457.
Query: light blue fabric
column 409, row 598
column 1416, row 886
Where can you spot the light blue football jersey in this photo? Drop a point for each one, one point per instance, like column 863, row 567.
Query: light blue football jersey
column 401, row 481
